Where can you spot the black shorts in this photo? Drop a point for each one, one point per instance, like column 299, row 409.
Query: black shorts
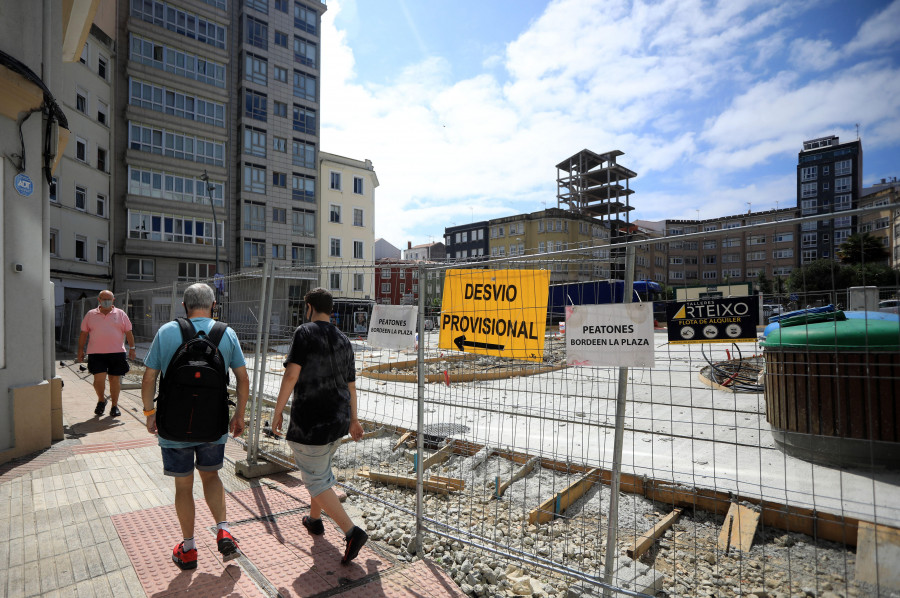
column 113, row 364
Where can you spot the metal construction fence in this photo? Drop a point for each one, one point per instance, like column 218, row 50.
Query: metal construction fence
column 718, row 469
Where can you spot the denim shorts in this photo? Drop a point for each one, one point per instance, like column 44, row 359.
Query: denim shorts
column 314, row 463
column 179, row 462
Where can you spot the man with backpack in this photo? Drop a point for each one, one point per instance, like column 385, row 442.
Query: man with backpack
column 191, row 416
column 320, row 371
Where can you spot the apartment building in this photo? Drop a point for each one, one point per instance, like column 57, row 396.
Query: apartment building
column 880, row 223
column 347, row 226
column 466, row 242
column 384, row 249
column 79, row 215
column 829, row 181
column 396, row 282
column 175, row 81
column 727, row 253
column 275, row 118
column 434, row 251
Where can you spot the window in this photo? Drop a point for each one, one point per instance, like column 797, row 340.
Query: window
column 809, row 225
column 709, row 244
column 281, row 5
column 385, row 272
column 279, row 144
column 255, row 105
column 102, row 113
column 731, row 273
column 808, row 255
column 254, row 216
column 672, row 231
column 731, row 242
column 357, row 217
column 139, row 269
column 842, row 202
column 280, row 74
column 335, row 182
column 254, row 251
column 257, row 33
column 843, row 167
column 254, row 142
column 175, row 144
column 177, row 62
column 709, row 259
column 278, row 252
column 676, row 275
column 303, row 254
column 304, row 154
column 731, row 225
column 303, row 187
column 80, row 197
column 784, row 237
column 281, row 39
column 335, row 213
column 85, row 54
column 80, row 248
column 279, row 109
column 54, row 241
column 710, row 275
column 304, row 18
column 101, row 159
column 731, row 258
column 782, row 270
column 809, row 206
column 101, row 205
column 279, row 179
column 358, row 282
column 757, row 240
column 755, row 256
column 809, row 240
column 304, row 120
column 303, row 223
column 80, row 149
column 279, row 215
column 102, row 66
column 808, row 189
column 358, row 250
column 256, row 69
column 841, row 235
column 386, row 287
column 192, row 271
column 181, row 22
column 808, row 173
column 676, row 260
column 254, row 178
column 81, row 103
column 174, row 187
column 843, row 184
column 304, row 52
column 710, row 227
column 335, row 247
column 780, row 254
column 102, row 257
column 304, row 86
column 260, row 5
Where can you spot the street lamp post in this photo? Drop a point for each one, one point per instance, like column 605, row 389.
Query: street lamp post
column 209, row 188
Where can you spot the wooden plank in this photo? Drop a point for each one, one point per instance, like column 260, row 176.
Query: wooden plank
column 403, row 439
column 405, row 481
column 739, row 528
column 649, row 537
column 439, row 457
column 518, row 475
column 557, row 504
column 454, row 484
column 877, row 555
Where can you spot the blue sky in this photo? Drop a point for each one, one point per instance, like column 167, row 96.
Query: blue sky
column 465, row 107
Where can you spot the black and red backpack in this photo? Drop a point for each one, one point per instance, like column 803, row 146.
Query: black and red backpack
column 192, row 404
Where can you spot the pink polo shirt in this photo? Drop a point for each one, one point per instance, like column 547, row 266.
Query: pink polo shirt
column 106, row 331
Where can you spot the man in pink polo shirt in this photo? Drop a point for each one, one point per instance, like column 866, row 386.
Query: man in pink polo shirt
column 106, row 326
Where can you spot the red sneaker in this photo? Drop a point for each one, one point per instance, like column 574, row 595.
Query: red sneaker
column 227, row 545
column 184, row 560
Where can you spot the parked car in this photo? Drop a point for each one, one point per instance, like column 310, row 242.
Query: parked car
column 890, row 306
column 772, row 309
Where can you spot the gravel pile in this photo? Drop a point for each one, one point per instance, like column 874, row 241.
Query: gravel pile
column 780, row 565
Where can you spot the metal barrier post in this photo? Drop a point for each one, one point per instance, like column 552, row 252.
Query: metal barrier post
column 420, row 416
column 613, row 517
column 265, row 317
column 253, row 449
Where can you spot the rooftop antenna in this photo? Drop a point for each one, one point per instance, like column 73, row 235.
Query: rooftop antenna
column 857, row 131
column 749, row 207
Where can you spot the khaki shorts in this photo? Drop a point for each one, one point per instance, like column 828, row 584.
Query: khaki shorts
column 314, row 463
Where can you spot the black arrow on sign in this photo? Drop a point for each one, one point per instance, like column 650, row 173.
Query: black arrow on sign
column 460, row 342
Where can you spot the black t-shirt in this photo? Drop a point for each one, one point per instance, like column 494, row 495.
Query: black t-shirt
column 321, row 409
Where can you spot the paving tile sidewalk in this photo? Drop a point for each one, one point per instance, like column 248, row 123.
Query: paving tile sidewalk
column 94, row 516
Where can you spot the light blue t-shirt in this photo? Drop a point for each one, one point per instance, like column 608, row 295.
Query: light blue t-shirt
column 167, row 341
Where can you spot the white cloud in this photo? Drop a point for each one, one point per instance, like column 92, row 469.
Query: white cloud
column 809, row 54
column 879, row 32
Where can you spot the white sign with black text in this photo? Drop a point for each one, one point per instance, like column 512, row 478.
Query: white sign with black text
column 393, row 326
column 617, row 335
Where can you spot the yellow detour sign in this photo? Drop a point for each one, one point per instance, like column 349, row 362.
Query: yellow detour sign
column 495, row 312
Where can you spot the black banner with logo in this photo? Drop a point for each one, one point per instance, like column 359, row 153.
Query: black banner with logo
column 713, row 320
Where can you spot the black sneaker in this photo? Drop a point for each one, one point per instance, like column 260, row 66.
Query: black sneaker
column 313, row 526
column 100, row 408
column 356, row 539
column 114, row 412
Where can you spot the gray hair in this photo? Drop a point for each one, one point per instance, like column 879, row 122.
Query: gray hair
column 198, row 296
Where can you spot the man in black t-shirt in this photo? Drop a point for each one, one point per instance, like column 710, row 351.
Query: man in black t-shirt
column 320, row 372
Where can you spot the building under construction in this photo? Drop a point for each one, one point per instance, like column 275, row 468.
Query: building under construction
column 594, row 184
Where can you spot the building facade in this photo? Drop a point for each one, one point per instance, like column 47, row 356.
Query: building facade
column 426, row 251
column 829, row 181
column 347, row 226
column 80, row 207
column 880, row 223
column 466, row 242
column 396, row 282
column 384, row 249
